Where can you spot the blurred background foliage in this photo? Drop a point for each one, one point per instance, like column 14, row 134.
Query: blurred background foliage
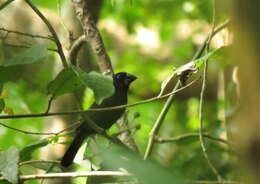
column 148, row 38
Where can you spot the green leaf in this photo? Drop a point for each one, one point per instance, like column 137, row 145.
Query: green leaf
column 101, row 85
column 147, row 172
column 27, row 151
column 88, row 99
column 72, row 79
column 67, row 81
column 2, row 105
column 28, row 56
column 9, row 164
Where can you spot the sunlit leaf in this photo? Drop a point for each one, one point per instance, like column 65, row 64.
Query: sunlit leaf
column 88, row 99
column 9, row 164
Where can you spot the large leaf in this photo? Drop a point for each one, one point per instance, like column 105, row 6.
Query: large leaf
column 101, row 85
column 28, row 56
column 71, row 79
column 9, row 164
column 147, row 172
column 67, row 81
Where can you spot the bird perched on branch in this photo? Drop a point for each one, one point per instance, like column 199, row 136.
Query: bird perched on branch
column 104, row 119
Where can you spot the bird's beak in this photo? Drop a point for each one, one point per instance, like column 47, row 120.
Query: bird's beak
column 131, row 78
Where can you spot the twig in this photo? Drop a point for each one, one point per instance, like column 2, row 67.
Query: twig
column 38, row 161
column 203, row 46
column 6, row 3
column 188, row 135
column 38, row 133
column 70, row 175
column 158, row 123
column 97, row 109
column 49, row 104
column 202, row 94
column 26, row 34
column 52, row 31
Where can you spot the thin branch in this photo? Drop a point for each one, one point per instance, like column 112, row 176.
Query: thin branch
column 52, row 31
column 6, row 3
column 188, row 135
column 70, row 175
column 25, row 132
column 159, row 122
column 39, row 133
column 26, row 34
column 97, row 109
column 202, row 95
column 200, row 51
column 39, row 161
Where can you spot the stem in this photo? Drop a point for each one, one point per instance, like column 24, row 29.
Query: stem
column 52, row 31
column 159, row 122
column 202, row 95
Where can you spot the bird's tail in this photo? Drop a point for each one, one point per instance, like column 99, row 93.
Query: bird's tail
column 70, row 154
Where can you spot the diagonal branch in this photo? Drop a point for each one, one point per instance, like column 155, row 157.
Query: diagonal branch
column 52, row 31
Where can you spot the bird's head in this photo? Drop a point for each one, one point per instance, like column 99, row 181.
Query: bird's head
column 122, row 80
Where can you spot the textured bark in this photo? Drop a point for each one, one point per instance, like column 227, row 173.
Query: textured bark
column 84, row 14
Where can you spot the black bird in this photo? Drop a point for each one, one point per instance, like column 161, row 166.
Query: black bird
column 104, row 119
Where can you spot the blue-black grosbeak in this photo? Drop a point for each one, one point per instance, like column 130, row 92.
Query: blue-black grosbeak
column 104, row 119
